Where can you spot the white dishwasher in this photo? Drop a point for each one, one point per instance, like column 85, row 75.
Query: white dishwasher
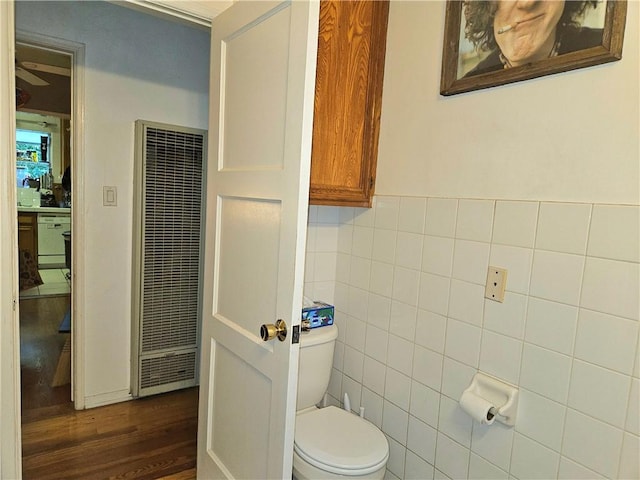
column 51, row 226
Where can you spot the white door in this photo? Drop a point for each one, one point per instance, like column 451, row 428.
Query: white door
column 263, row 59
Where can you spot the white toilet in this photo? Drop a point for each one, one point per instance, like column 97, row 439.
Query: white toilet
column 331, row 443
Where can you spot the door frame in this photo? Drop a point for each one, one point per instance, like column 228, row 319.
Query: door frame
column 10, row 435
column 10, row 419
column 77, row 52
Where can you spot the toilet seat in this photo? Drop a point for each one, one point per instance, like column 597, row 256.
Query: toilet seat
column 339, row 442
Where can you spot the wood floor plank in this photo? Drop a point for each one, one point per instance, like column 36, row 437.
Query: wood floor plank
column 40, row 348
column 142, row 439
column 117, row 441
column 184, row 475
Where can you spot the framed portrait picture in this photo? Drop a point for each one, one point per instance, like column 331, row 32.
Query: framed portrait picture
column 489, row 43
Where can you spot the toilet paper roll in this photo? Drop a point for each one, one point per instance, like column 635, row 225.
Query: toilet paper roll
column 477, row 407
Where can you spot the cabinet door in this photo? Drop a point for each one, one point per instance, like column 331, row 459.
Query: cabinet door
column 28, row 233
column 351, row 51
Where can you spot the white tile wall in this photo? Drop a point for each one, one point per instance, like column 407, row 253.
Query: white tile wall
column 387, row 212
column 570, row 470
column 415, row 327
column 379, row 309
column 384, row 245
column 633, row 415
column 592, row 443
column 397, row 389
column 493, row 443
column 409, row 249
column 374, row 403
column 437, row 255
column 412, row 214
column 517, row 261
column 507, row 317
column 629, row 459
column 400, row 354
column 421, row 439
column 395, row 422
column 430, row 330
column 424, row 404
column 441, row 217
column 451, row 457
column 416, row 468
column 545, row 372
column 557, row 276
column 531, row 459
column 381, row 280
column 466, row 302
column 463, row 342
column 453, row 422
column 456, row 377
column 406, row 284
column 606, row 340
column 615, row 233
column 403, row 320
column 475, row 220
column 515, row 223
column 551, row 325
column 600, row 393
column 540, row 419
column 434, row 293
column 480, row 469
column 500, row 356
column 612, row 287
column 563, row 227
column 396, row 462
column 470, row 261
column 374, row 375
column 427, row 367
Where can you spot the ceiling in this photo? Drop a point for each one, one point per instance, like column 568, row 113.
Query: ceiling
column 193, row 12
column 54, row 98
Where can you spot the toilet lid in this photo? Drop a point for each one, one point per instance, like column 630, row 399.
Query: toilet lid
column 340, row 442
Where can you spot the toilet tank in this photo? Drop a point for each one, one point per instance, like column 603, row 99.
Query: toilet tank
column 316, row 361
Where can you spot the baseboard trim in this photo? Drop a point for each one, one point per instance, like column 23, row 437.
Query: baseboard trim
column 93, row 401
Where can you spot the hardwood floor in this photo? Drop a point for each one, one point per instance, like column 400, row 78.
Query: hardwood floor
column 40, row 347
column 149, row 438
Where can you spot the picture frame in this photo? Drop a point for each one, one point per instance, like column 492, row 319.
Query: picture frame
column 458, row 77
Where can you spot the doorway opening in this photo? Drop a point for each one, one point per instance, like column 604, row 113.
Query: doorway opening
column 43, row 181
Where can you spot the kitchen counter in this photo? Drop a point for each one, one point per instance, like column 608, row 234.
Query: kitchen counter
column 60, row 210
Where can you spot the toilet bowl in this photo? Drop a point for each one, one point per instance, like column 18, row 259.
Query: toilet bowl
column 331, row 443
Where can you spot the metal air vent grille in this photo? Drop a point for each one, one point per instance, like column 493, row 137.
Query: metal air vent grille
column 172, row 231
column 167, row 369
column 169, row 216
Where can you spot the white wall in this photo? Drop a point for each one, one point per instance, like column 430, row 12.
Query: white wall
column 539, row 177
column 137, row 67
column 414, row 328
column 566, row 137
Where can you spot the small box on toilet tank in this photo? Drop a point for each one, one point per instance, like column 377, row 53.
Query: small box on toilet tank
column 319, row 314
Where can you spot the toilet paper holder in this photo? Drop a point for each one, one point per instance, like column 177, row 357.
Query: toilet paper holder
column 503, row 396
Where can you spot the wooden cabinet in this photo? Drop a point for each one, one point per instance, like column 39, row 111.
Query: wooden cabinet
column 350, row 69
column 28, row 233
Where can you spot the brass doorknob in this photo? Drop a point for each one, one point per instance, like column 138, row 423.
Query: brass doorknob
column 271, row 331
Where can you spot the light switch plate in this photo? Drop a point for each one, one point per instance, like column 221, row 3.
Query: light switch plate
column 496, row 284
column 109, row 196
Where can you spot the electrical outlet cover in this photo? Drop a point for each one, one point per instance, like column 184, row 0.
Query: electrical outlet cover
column 496, row 284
